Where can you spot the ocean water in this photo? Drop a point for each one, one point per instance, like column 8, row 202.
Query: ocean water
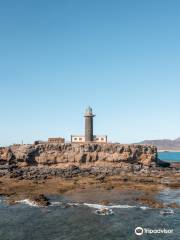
column 169, row 156
column 83, row 217
column 81, row 220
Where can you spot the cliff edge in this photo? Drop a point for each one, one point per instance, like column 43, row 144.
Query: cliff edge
column 67, row 160
column 59, row 154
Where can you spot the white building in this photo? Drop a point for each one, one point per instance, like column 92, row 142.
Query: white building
column 81, row 138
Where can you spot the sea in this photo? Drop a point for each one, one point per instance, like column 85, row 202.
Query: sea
column 169, row 156
column 84, row 218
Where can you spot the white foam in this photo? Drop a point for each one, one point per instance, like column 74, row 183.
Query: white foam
column 90, row 205
column 56, row 204
column 93, row 205
column 145, row 207
column 62, row 203
column 74, row 204
column 122, row 206
column 28, row 202
column 99, row 206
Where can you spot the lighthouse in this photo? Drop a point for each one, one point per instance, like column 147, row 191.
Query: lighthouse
column 89, row 136
column 89, row 125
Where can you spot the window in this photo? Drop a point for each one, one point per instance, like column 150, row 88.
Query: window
column 75, row 139
column 80, row 139
column 102, row 139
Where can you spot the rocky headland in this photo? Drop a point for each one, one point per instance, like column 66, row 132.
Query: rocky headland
column 68, row 160
column 36, row 169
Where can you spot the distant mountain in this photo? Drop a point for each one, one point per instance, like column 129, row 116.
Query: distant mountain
column 164, row 144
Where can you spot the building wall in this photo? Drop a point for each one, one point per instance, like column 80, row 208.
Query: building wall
column 100, row 138
column 76, row 138
column 96, row 138
column 56, row 140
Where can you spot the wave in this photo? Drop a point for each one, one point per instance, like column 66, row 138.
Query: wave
column 144, row 207
column 28, row 202
column 56, row 204
column 65, row 204
column 99, row 206
column 108, row 209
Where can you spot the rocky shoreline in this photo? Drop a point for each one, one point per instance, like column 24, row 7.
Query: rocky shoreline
column 43, row 161
column 85, row 188
column 68, row 160
column 28, row 171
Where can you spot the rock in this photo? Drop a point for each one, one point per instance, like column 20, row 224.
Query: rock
column 137, row 167
column 41, row 161
column 104, row 211
column 24, row 153
column 150, row 202
column 104, row 202
column 173, row 205
column 101, row 177
column 166, row 212
column 49, row 154
column 162, row 163
column 40, row 200
column 6, row 155
column 109, row 187
column 80, row 158
column 3, row 172
column 4, row 166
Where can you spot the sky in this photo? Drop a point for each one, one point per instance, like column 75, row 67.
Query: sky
column 121, row 57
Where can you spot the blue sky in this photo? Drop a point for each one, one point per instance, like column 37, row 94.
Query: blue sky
column 121, row 57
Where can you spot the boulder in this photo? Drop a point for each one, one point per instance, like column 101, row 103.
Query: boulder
column 40, row 200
